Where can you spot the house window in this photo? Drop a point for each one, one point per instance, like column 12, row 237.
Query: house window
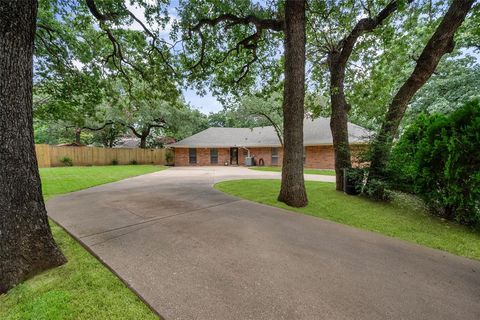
column 192, row 156
column 214, row 155
column 274, row 156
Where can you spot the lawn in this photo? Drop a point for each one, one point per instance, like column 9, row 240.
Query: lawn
column 82, row 288
column 323, row 172
column 404, row 218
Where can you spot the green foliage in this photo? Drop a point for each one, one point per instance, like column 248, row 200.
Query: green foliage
column 169, row 157
column 254, row 110
column 133, row 162
column 377, row 190
column 85, row 68
column 108, row 136
column 114, row 162
column 404, row 218
column 66, row 161
column 447, row 90
column 438, row 158
column 217, row 59
column 51, row 132
column 233, row 118
column 265, row 110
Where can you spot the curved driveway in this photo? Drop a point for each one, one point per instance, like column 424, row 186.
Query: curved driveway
column 195, row 253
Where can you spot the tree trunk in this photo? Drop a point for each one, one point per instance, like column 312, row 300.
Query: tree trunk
column 439, row 44
column 339, row 118
column 337, row 61
column 292, row 190
column 26, row 243
column 78, row 133
column 143, row 142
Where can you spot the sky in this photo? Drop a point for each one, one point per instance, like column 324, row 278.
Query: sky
column 205, row 104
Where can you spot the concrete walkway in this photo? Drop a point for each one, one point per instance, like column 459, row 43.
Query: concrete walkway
column 195, row 253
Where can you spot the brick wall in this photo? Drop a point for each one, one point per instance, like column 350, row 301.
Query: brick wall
column 266, row 155
column 203, row 157
column 317, row 157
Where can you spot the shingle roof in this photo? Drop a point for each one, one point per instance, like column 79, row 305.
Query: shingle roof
column 315, row 132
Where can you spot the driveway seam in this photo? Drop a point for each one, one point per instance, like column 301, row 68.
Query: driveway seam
column 157, row 219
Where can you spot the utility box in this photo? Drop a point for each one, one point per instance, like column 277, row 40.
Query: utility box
column 248, row 161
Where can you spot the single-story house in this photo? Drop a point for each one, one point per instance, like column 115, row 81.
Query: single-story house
column 231, row 146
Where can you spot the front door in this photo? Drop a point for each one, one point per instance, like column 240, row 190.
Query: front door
column 234, row 156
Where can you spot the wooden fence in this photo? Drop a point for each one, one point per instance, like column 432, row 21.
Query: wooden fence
column 50, row 156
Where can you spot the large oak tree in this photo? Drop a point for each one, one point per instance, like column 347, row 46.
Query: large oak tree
column 234, row 45
column 26, row 243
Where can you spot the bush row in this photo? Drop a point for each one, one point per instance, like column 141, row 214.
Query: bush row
column 438, row 159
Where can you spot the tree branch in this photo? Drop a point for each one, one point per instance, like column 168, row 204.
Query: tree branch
column 135, row 132
column 277, row 128
column 363, row 26
column 98, row 128
column 271, row 24
column 249, row 43
column 155, row 39
column 116, row 47
column 97, row 14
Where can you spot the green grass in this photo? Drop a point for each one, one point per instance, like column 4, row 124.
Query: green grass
column 82, row 288
column 62, row 180
column 323, row 172
column 404, row 218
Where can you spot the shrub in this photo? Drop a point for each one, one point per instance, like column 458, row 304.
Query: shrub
column 438, row 158
column 377, row 190
column 133, row 162
column 114, row 162
column 354, row 180
column 169, row 157
column 66, row 161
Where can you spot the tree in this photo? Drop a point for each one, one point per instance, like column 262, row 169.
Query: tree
column 73, row 97
column 140, row 105
column 227, row 41
column 232, row 117
column 292, row 190
column 338, row 53
column 109, row 135
column 447, row 90
column 26, row 243
column 267, row 108
column 441, row 43
column 185, row 121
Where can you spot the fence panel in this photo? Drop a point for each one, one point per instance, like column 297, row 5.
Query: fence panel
column 50, row 156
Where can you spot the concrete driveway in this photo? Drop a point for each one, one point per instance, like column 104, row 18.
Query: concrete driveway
column 193, row 252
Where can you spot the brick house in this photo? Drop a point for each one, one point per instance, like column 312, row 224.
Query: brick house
column 231, row 146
